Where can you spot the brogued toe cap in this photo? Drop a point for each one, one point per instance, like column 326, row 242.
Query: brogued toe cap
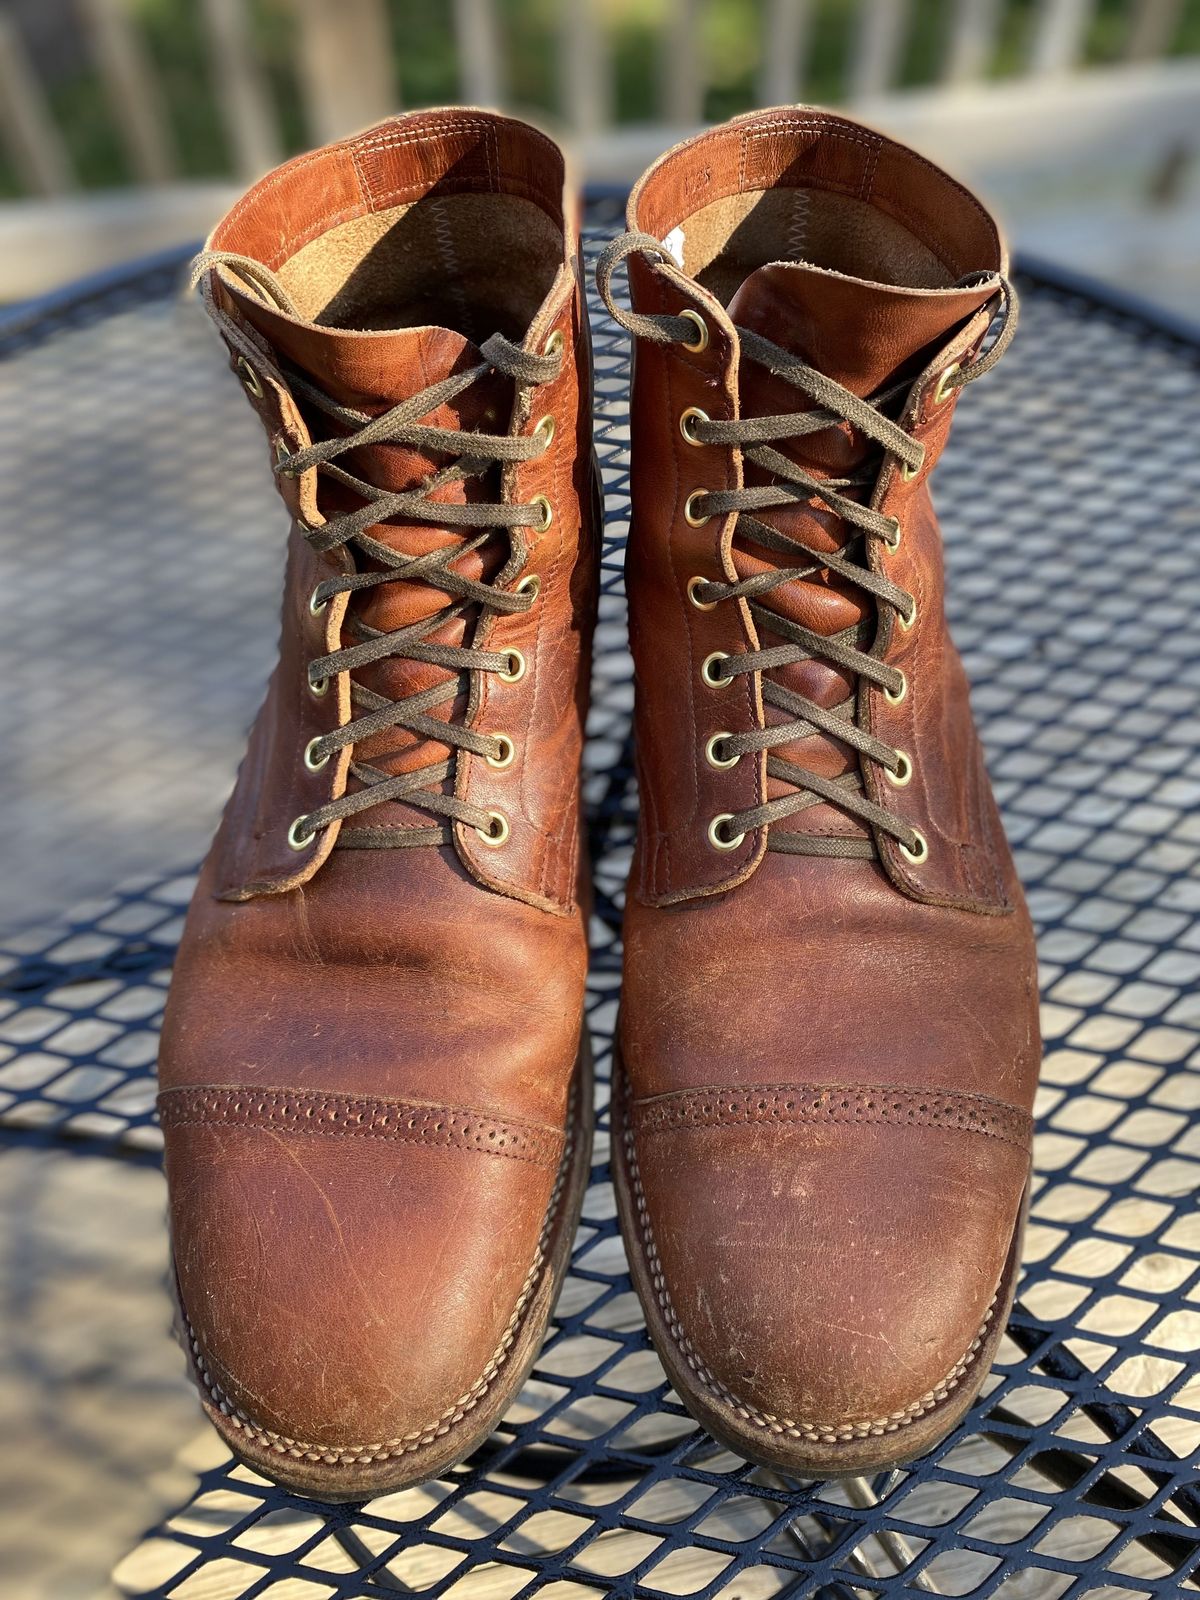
column 824, row 1263
column 352, row 1272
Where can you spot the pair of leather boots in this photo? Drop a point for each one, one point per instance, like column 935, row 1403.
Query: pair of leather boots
column 376, row 1088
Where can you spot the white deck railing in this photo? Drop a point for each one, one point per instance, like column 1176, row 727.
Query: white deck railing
column 347, row 68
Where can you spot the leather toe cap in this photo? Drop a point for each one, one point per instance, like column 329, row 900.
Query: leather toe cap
column 826, row 1258
column 352, row 1272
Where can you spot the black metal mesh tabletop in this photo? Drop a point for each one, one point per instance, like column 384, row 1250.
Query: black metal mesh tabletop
column 1069, row 499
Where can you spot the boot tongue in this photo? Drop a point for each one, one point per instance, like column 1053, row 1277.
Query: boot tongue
column 862, row 335
column 867, row 337
column 371, row 372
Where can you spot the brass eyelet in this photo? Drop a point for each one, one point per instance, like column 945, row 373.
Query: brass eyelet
column 921, row 853
column 554, row 344
column 508, row 753
column 315, row 604
column 530, row 584
column 312, row 761
column 701, row 327
column 893, row 543
column 689, row 515
column 692, row 414
column 282, row 451
column 717, row 839
column 902, row 776
column 694, row 584
column 544, row 431
column 909, row 473
column 540, row 503
column 895, row 699
column 711, row 756
column 318, row 687
column 942, row 392
column 498, row 833
column 708, row 670
column 906, row 622
column 297, row 838
column 251, row 381
column 516, row 668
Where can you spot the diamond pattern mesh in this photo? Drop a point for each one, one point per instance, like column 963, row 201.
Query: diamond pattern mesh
column 1076, row 600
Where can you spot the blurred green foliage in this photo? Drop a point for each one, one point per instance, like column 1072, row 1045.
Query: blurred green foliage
column 427, row 72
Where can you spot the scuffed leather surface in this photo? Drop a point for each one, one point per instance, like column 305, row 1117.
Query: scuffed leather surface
column 829, row 1267
column 251, row 854
column 828, row 1064
column 347, row 1293
column 450, row 152
column 863, row 335
column 369, row 1070
column 675, row 712
column 818, row 971
column 780, row 1262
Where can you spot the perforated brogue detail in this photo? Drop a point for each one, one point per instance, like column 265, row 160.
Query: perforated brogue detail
column 823, row 1103
column 336, row 1116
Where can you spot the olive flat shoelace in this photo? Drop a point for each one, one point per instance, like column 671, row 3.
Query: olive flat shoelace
column 473, row 455
column 831, row 406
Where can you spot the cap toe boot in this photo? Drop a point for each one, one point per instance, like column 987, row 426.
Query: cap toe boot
column 828, row 1040
column 375, row 1084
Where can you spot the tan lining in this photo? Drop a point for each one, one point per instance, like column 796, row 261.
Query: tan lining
column 726, row 240
column 478, row 263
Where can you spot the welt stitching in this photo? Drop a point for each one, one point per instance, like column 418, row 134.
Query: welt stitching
column 813, row 1432
column 364, row 1454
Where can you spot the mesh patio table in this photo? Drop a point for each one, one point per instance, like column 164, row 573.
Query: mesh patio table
column 1069, row 497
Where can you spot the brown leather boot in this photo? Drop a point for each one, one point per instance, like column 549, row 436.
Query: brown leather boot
column 375, row 1079
column 829, row 1026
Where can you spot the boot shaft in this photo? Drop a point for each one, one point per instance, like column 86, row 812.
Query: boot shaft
column 827, row 280
column 403, row 289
